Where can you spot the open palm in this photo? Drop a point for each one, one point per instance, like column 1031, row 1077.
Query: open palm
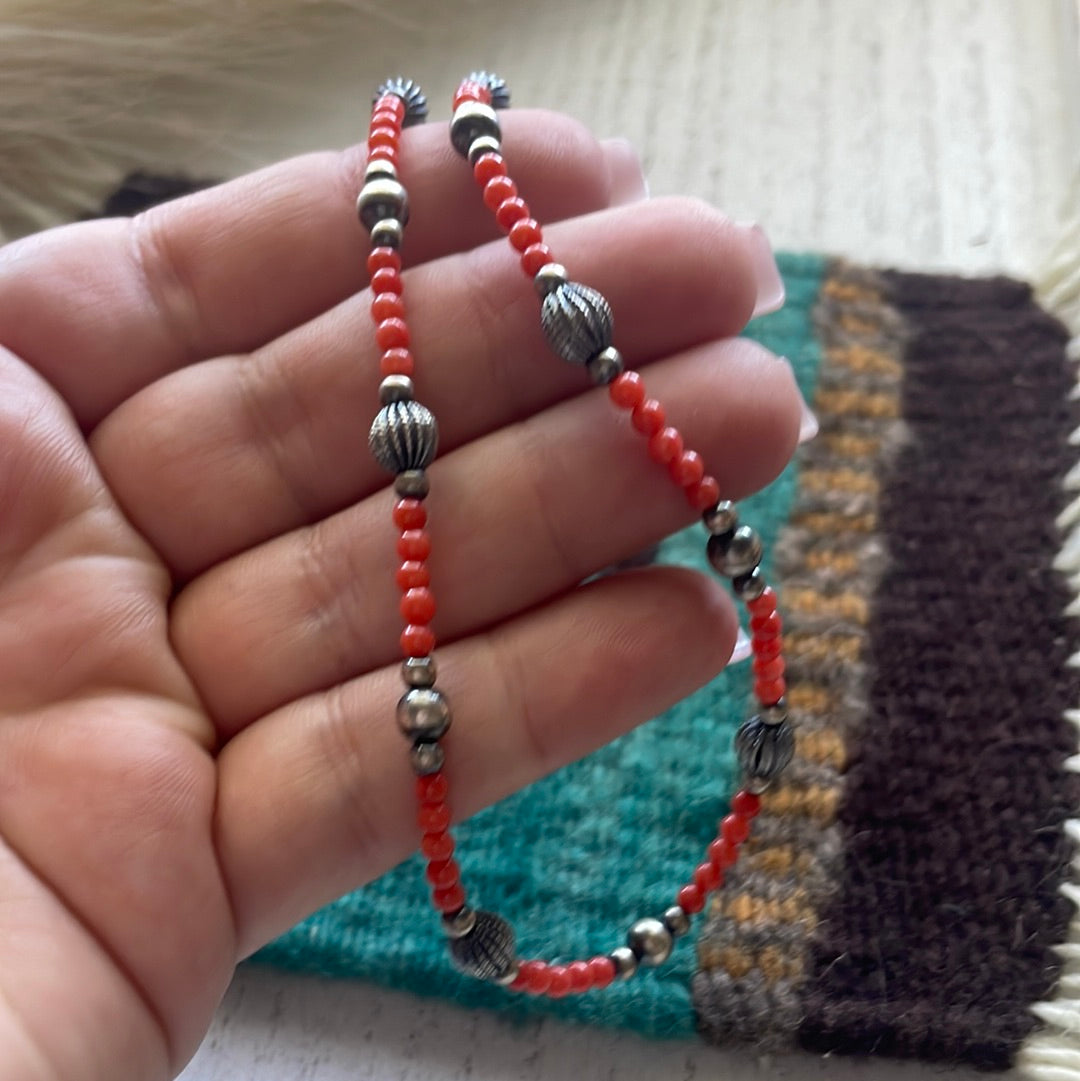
column 198, row 620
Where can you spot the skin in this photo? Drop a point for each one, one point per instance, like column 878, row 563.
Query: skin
column 198, row 622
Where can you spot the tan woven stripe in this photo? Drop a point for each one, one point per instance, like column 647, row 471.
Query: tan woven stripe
column 839, row 480
column 859, row 358
column 850, row 445
column 857, row 403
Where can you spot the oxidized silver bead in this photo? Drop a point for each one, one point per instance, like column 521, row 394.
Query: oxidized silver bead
column 404, row 436
column 500, row 92
column 549, row 277
column 416, row 107
column 774, row 714
column 676, row 920
column 395, row 388
column 423, row 713
column 625, row 961
column 487, row 950
column 723, row 518
column 651, row 941
column 460, row 923
column 418, row 671
column 382, row 198
column 606, row 366
column 764, row 749
column 576, row 321
column 737, row 554
column 426, row 758
column 412, row 484
column 748, row 587
column 471, row 120
column 380, row 169
column 387, row 233
column 483, row 144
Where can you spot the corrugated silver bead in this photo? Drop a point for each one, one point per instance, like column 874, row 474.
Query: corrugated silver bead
column 423, row 713
column 382, row 198
column 676, row 920
column 412, row 484
column 723, row 518
column 651, row 941
column 748, row 587
column 576, row 321
column 606, row 366
column 500, row 92
column 395, row 388
column 404, row 436
column 387, row 233
column 419, row 671
column 774, row 714
column 764, row 749
column 737, row 554
column 625, row 961
column 416, row 107
column 471, row 120
column 426, row 758
column 457, row 924
column 549, row 277
column 483, row 144
column 487, row 950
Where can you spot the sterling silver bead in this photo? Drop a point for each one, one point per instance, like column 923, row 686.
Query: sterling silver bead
column 471, row 120
column 416, row 107
column 723, row 518
column 748, row 587
column 676, row 920
column 605, row 367
column 625, row 960
column 736, row 554
column 487, row 950
column 509, row 975
column 412, row 484
column 404, row 436
column 482, row 145
column 395, row 388
column 460, row 923
column 387, row 233
column 423, row 714
column 774, row 714
column 576, row 321
column 380, row 169
column 651, row 941
column 382, row 198
column 426, row 758
column 418, row 671
column 549, row 277
column 764, row 749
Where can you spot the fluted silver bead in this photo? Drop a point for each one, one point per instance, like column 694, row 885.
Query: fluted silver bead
column 412, row 484
column 576, row 321
column 549, row 277
column 676, row 920
column 487, row 950
column 605, row 367
column 387, row 233
column 736, row 554
column 395, row 388
column 748, row 587
column 471, row 120
column 382, row 198
column 651, row 941
column 483, row 144
column 774, row 714
column 416, row 106
column 764, row 750
column 723, row 518
column 460, row 923
column 423, row 713
column 404, row 436
column 426, row 758
column 625, row 961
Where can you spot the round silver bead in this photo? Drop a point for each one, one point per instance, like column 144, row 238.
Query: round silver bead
column 404, row 436
column 487, row 950
column 382, row 198
column 416, row 106
column 380, row 169
column 500, row 92
column 764, row 750
column 723, row 518
column 418, row 671
column 757, row 785
column 482, row 145
column 395, row 388
column 748, row 587
column 626, row 962
column 576, row 321
column 471, row 120
column 387, row 233
column 510, row 975
column 737, row 554
column 460, row 923
column 423, row 713
column 549, row 278
column 774, row 714
column 412, row 484
column 426, row 758
column 651, row 941
column 605, row 367
column 676, row 920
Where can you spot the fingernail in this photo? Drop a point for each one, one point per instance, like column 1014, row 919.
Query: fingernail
column 628, row 184
column 808, row 422
column 742, row 648
column 770, row 286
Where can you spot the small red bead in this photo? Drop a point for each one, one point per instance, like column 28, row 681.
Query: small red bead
column 449, row 900
column 721, row 854
column 443, row 873
column 409, row 514
column 627, row 390
column 747, row 804
column 734, row 829
column 417, row 641
column 763, row 605
column 472, row 91
column 391, row 103
column 437, row 846
column 766, row 649
column 525, row 233
column 648, row 416
column 418, row 606
column 433, row 817
column 707, row 877
column 534, row 257
column 414, row 544
column 387, row 306
column 383, row 136
column 580, row 976
column 770, row 691
column 383, row 153
column 392, row 334
column 380, row 258
column 487, row 167
column 770, row 669
column 603, row 971
column 768, row 626
column 386, row 280
column 536, row 975
column 396, row 362
column 687, row 469
column 432, row 789
column 511, row 211
column 412, row 574
column 691, row 899
column 497, row 190
column 665, row 446
column 385, row 118
column 559, row 986
column 704, row 494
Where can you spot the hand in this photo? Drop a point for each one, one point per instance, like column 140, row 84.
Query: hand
column 198, row 620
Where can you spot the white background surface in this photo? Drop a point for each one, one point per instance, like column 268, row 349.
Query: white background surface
column 923, row 134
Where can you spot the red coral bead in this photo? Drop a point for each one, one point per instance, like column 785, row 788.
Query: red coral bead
column 603, row 971
column 437, row 846
column 449, row 900
column 768, row 626
column 627, row 390
column 707, row 877
column 412, row 574
column 385, row 118
column 535, row 257
column 417, row 640
column 409, row 514
column 768, row 669
column 525, row 233
column 381, row 258
column 472, row 91
column 559, row 985
column 442, row 874
column 414, row 544
column 433, row 818
column 536, row 976
column 763, row 605
column 392, row 334
column 383, row 136
column 665, row 446
column 396, row 362
column 511, row 211
column 747, row 804
column 687, row 469
column 383, row 153
column 386, row 280
column 387, row 306
column 497, row 190
column 767, row 649
column 734, row 829
column 580, row 976
column 691, row 899
column 721, row 854
column 770, row 691
column 704, row 494
column 648, row 417
column 432, row 789
column 391, row 103
column 487, row 167
column 418, row 606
